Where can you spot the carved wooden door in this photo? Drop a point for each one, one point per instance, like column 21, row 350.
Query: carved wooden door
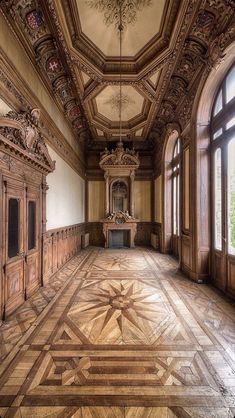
column 13, row 224
column 32, row 249
column 21, row 232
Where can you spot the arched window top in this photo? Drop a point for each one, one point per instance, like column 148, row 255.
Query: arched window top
column 176, row 150
column 230, row 85
column 223, row 113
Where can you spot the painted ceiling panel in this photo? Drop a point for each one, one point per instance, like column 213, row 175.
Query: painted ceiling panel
column 136, row 35
column 108, row 103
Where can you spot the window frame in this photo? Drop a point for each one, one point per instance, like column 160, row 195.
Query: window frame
column 175, row 179
column 218, row 122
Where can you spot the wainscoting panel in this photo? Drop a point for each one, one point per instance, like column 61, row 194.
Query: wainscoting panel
column 59, row 245
column 143, row 235
column 231, row 275
column 186, row 253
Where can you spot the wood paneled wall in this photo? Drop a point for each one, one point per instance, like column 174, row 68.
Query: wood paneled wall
column 96, row 200
column 158, row 199
column 142, row 199
column 59, row 245
column 96, row 236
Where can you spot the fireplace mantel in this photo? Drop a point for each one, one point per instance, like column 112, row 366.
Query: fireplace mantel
column 120, row 221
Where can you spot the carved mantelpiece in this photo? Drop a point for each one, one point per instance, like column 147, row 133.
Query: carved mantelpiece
column 120, row 221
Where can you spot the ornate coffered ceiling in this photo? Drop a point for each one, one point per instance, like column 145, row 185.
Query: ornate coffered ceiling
column 166, row 46
column 89, row 30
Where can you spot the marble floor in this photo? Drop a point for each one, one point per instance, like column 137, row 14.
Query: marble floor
column 119, row 333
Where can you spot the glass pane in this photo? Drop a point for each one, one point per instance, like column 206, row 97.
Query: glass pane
column 218, row 103
column 13, row 227
column 217, row 133
column 176, row 148
column 31, row 225
column 218, row 200
column 230, row 123
column 231, row 196
column 178, row 205
column 174, row 205
column 230, row 85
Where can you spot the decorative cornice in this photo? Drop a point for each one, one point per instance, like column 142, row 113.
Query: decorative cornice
column 28, row 16
column 49, row 130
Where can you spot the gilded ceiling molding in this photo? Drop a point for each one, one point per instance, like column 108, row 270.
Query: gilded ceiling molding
column 203, row 47
column 28, row 15
column 167, row 109
column 50, row 132
column 168, row 63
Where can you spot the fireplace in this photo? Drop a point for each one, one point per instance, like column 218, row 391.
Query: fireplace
column 119, row 238
column 119, row 230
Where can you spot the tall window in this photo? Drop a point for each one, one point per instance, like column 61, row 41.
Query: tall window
column 176, row 188
column 223, row 165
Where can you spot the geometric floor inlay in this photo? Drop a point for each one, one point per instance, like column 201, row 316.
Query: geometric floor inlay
column 120, row 333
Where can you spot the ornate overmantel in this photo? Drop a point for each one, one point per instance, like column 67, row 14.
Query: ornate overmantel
column 119, row 167
column 119, row 164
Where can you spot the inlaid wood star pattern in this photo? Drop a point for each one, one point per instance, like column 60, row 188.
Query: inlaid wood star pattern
column 123, row 312
column 130, row 338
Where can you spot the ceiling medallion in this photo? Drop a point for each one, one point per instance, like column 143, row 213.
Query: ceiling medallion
column 111, row 10
column 120, row 100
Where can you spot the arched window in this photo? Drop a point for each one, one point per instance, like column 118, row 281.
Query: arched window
column 175, row 165
column 223, row 170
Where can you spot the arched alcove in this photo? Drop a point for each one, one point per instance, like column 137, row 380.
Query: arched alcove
column 170, row 141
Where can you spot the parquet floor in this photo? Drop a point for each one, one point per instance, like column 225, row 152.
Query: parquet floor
column 120, row 333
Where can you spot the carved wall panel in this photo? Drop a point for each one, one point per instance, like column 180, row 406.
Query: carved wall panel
column 231, row 275
column 186, row 259
column 59, row 245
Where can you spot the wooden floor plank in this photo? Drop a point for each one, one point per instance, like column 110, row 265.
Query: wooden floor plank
column 122, row 334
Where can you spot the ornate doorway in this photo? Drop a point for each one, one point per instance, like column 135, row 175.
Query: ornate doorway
column 24, row 164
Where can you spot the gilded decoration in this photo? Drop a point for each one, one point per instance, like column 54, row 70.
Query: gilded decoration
column 29, row 16
column 183, row 54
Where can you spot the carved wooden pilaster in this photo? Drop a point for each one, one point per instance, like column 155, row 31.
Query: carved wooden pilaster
column 132, row 182
column 107, row 209
column 44, row 192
